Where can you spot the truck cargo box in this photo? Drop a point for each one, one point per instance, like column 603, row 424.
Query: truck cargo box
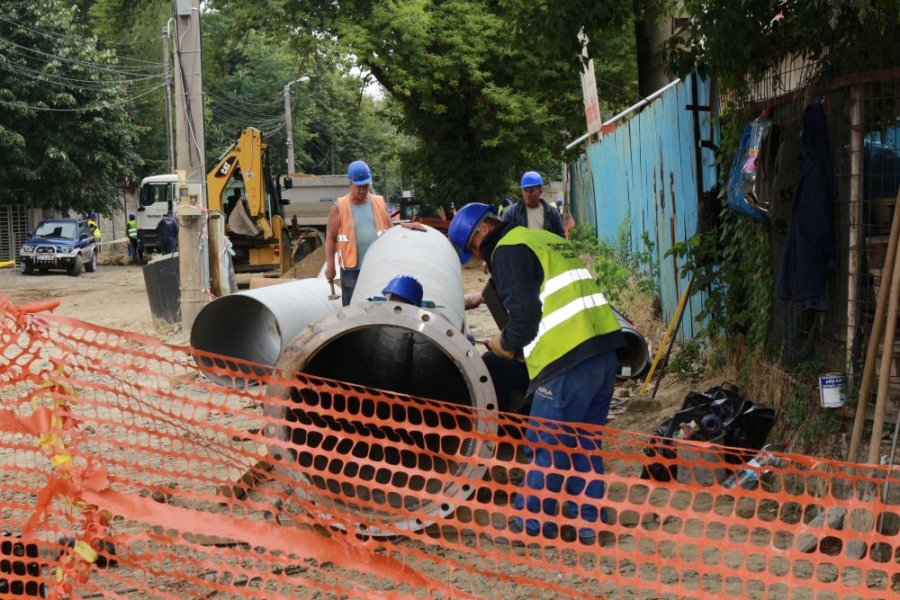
column 311, row 197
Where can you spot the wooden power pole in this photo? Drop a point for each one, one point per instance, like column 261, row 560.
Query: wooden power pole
column 190, row 206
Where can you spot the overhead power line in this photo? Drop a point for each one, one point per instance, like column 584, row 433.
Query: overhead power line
column 76, row 41
column 34, row 54
column 83, row 108
column 71, row 81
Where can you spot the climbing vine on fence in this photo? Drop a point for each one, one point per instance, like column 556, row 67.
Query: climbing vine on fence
column 730, row 265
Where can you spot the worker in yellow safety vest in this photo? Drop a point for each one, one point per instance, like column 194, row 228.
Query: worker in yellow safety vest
column 356, row 220
column 95, row 229
column 137, row 254
column 563, row 328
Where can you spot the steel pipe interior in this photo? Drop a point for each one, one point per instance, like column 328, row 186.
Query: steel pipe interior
column 391, row 348
column 256, row 325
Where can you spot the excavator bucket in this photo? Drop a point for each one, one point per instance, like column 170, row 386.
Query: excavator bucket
column 240, row 222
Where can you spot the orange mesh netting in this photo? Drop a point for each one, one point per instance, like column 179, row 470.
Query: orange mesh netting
column 125, row 473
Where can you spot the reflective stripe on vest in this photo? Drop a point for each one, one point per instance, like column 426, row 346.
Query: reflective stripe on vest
column 132, row 229
column 573, row 309
column 562, row 280
column 559, row 316
column 346, row 235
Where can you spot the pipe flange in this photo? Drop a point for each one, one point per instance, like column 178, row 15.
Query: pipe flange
column 397, row 336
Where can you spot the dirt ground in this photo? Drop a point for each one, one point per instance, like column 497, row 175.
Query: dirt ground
column 115, row 296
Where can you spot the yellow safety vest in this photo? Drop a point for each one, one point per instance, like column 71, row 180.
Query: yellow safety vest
column 574, row 309
column 95, row 230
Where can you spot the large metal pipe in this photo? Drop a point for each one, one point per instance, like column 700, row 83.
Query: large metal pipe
column 425, row 254
column 635, row 357
column 257, row 325
column 402, row 349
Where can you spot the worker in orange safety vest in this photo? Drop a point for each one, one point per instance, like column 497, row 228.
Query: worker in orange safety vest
column 356, row 220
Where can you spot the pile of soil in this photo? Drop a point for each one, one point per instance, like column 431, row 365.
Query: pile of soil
column 308, row 267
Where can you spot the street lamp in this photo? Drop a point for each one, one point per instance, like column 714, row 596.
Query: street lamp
column 289, row 122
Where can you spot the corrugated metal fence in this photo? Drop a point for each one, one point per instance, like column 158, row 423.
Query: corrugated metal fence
column 645, row 173
column 13, row 227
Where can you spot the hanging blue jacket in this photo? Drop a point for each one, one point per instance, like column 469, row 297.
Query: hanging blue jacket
column 809, row 252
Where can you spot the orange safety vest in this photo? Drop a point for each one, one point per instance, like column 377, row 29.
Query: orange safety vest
column 346, row 235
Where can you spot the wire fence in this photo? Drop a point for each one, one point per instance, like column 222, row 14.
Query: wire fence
column 849, row 236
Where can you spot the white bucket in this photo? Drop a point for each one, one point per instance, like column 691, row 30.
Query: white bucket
column 831, row 390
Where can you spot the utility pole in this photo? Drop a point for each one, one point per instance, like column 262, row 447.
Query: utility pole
column 190, row 205
column 289, row 123
column 167, row 78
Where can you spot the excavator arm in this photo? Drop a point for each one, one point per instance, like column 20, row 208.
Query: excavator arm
column 242, row 165
column 240, row 188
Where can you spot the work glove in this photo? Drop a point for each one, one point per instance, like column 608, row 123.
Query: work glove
column 497, row 348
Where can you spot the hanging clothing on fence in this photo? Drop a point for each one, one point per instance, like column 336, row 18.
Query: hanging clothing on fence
column 810, row 249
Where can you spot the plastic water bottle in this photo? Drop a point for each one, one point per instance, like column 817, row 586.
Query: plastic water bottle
column 749, row 478
column 708, row 428
column 758, row 130
column 687, row 431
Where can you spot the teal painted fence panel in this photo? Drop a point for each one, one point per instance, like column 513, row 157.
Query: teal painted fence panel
column 644, row 173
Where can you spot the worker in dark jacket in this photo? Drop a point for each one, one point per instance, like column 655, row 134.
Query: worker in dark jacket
column 167, row 234
column 563, row 328
column 533, row 211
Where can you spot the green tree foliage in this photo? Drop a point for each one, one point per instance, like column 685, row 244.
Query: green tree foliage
column 333, row 122
column 743, row 40
column 487, row 89
column 65, row 134
column 134, row 31
column 248, row 57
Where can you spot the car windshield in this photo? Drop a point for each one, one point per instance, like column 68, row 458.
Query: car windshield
column 56, row 230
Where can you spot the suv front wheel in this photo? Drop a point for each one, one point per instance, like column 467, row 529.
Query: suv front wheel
column 91, row 265
column 26, row 267
column 75, row 268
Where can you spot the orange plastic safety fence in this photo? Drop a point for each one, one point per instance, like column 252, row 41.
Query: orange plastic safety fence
column 124, row 472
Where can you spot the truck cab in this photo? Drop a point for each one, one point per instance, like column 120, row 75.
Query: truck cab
column 156, row 196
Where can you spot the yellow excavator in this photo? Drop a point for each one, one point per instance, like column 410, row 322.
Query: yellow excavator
column 241, row 188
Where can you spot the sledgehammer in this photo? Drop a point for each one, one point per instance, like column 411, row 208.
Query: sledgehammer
column 333, row 296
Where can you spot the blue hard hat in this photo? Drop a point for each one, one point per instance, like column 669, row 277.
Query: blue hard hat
column 505, row 201
column 463, row 226
column 93, row 215
column 406, row 288
column 130, row 215
column 531, row 179
column 559, row 201
column 359, row 173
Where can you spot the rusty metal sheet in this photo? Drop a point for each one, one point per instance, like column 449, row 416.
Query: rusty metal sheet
column 644, row 174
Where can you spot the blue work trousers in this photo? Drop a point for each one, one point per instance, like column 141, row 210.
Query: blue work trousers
column 580, row 395
column 348, row 284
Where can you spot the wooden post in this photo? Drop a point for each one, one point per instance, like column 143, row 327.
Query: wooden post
column 868, row 374
column 887, row 355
